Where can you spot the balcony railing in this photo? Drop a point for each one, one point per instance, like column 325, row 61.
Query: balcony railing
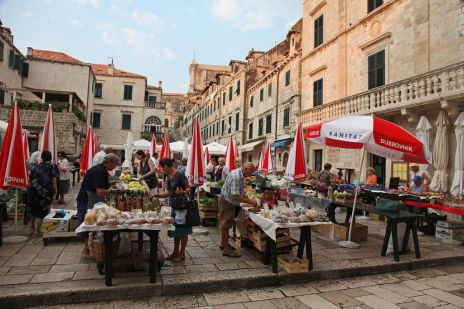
column 158, row 105
column 442, row 84
column 147, row 135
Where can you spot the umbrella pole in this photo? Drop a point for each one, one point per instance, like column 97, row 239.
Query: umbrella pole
column 351, row 244
column 16, row 212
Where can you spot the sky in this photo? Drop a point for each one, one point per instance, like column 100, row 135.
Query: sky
column 155, row 38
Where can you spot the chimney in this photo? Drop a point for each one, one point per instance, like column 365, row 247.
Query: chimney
column 160, row 84
column 29, row 51
column 110, row 69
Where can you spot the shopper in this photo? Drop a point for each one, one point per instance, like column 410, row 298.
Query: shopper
column 104, row 150
column 219, row 173
column 94, row 189
column 371, row 177
column 232, row 194
column 43, row 185
column 415, row 171
column 177, row 185
column 182, row 167
column 65, row 176
column 418, row 185
column 325, row 176
column 147, row 171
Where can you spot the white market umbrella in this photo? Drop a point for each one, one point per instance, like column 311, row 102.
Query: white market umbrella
column 458, row 179
column 265, row 164
column 128, row 150
column 185, row 151
column 49, row 137
column 196, row 167
column 177, row 146
column 230, row 154
column 207, row 156
column 296, row 163
column 440, row 154
column 142, row 144
column 87, row 153
column 215, row 148
column 423, row 134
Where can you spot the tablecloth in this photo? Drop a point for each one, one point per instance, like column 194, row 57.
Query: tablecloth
column 136, row 227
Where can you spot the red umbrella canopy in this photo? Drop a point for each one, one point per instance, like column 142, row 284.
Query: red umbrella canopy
column 165, row 149
column 153, row 145
column 207, row 156
column 25, row 145
column 265, row 164
column 49, row 139
column 87, row 152
column 13, row 168
column 230, row 154
column 376, row 135
column 196, row 168
column 296, row 164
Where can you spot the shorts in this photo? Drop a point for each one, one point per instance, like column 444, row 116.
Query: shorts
column 226, row 213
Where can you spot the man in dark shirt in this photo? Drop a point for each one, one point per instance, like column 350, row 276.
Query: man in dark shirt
column 94, row 187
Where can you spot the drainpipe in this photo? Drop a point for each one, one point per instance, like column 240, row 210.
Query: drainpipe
column 277, row 114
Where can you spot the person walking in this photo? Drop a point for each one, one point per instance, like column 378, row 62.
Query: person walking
column 232, row 194
column 43, row 185
column 65, row 176
column 147, row 171
column 177, row 185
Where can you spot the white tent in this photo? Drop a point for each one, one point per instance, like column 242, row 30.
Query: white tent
column 458, row 179
column 178, row 146
column 3, row 125
column 216, row 149
column 141, row 144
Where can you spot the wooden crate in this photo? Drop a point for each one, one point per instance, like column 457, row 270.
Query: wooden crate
column 376, row 217
column 282, row 240
column 208, row 214
column 359, row 232
column 292, row 264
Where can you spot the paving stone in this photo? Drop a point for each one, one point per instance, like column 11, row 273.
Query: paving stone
column 413, row 305
column 173, row 270
column 404, row 275
column 384, row 278
column 20, row 259
column 389, row 296
column 85, row 275
column 402, row 289
column 9, row 250
column 415, row 285
column 51, row 277
column 24, row 270
column 227, row 266
column 442, row 282
column 73, row 247
column 220, row 298
column 298, row 289
column 230, row 306
column 69, row 258
column 340, row 299
column 377, row 302
column 263, row 293
column 183, row 301
column 427, row 272
column 358, row 283
column 69, row 267
column 330, row 285
column 356, row 292
column 197, row 252
column 428, row 300
column 200, row 268
column 15, row 279
column 31, row 249
column 3, row 259
column 263, row 304
column 4, row 270
column 44, row 261
column 288, row 303
column 447, row 307
column 316, row 302
column 206, row 260
column 446, row 297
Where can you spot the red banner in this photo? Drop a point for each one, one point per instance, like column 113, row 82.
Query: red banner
column 452, row 210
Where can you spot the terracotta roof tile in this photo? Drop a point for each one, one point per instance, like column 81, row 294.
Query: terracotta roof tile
column 102, row 70
column 53, row 56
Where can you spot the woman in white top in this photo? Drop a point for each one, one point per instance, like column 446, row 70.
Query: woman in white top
column 65, row 176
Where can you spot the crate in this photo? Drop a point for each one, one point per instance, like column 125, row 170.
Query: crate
column 207, row 214
column 98, row 249
column 282, row 240
column 292, row 264
column 376, row 217
column 324, row 229
column 207, row 222
column 359, row 232
column 449, row 233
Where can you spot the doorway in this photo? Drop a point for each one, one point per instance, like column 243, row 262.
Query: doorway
column 379, row 164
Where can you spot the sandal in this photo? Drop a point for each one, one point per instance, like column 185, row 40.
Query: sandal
column 179, row 258
column 222, row 247
column 231, row 253
column 171, row 257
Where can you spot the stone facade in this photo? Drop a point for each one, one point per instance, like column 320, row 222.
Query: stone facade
column 176, row 104
column 423, row 67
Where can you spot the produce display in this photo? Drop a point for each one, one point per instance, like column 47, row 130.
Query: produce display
column 126, row 175
column 293, row 214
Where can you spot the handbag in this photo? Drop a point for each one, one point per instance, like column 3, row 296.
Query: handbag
column 179, row 202
column 193, row 214
column 385, row 204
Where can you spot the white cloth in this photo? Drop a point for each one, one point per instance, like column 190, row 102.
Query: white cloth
column 98, row 157
column 63, row 166
column 458, row 178
column 153, row 227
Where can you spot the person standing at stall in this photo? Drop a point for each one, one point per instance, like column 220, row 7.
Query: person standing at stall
column 325, row 176
column 94, row 188
column 232, row 194
column 371, row 177
column 65, row 176
column 101, row 155
column 147, row 171
column 415, row 171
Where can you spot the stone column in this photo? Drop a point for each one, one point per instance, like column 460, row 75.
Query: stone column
column 43, row 97
column 70, row 102
column 13, row 96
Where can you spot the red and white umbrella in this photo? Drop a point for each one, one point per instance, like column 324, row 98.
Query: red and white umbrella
column 296, row 163
column 236, row 149
column 49, row 139
column 94, row 143
column 25, row 145
column 153, row 145
column 231, row 154
column 165, row 149
column 87, row 152
column 265, row 161
column 196, row 168
column 207, row 156
column 13, row 168
column 376, row 135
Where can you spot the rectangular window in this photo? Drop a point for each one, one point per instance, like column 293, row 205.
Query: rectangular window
column 98, row 90
column 217, row 128
column 269, row 90
column 223, row 98
column 222, row 126
column 318, row 160
column 318, row 31
column 11, row 59
column 286, row 117
column 231, row 90
column 287, row 78
column 376, row 69
column 261, row 94
column 152, row 98
column 373, row 4
column 126, row 122
column 214, row 106
column 269, row 123
column 230, row 125
column 237, row 121
column 318, row 90
column 250, row 130
column 2, row 97
column 146, row 96
column 127, row 92
column 238, row 87
column 252, row 101
column 17, row 63
column 96, row 119
column 260, row 126
column 400, row 170
column 2, row 47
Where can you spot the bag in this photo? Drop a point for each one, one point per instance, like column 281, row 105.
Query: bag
column 387, row 205
column 193, row 214
column 178, row 202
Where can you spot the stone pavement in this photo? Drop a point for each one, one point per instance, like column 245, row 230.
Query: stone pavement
column 439, row 287
column 33, row 274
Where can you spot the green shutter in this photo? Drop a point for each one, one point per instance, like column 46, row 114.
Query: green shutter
column 11, row 59
column 2, row 46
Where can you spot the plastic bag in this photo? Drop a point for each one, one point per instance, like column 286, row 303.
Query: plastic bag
column 401, row 230
column 125, row 244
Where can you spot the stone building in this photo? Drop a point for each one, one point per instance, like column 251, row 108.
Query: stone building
column 397, row 59
column 176, row 106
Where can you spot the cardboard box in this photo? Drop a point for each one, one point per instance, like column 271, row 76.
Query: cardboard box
column 446, row 233
column 54, row 223
column 324, row 229
column 359, row 232
column 73, row 223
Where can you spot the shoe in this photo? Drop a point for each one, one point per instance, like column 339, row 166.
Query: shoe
column 179, row 258
column 231, row 253
column 222, row 247
column 171, row 257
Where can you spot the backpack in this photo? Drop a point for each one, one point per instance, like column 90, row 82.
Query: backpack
column 41, row 180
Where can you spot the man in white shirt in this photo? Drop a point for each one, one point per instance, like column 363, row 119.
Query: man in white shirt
column 101, row 155
column 415, row 171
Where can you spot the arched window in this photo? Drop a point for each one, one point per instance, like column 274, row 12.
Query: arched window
column 285, row 159
column 153, row 124
column 166, row 122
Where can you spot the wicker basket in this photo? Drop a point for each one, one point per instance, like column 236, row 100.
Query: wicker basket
column 98, row 249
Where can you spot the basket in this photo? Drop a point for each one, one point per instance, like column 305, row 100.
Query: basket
column 140, row 250
column 98, row 249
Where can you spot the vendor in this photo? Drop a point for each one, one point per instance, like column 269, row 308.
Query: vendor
column 415, row 171
column 104, row 150
column 232, row 194
column 211, row 167
column 147, row 171
column 371, row 177
column 325, row 176
column 219, row 173
column 418, row 185
column 94, row 189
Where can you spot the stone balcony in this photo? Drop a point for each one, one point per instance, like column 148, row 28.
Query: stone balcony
column 147, row 135
column 157, row 105
column 439, row 86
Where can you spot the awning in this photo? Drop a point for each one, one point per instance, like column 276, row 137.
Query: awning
column 281, row 143
column 249, row 146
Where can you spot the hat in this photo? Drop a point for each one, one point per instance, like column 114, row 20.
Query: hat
column 413, row 164
column 417, row 179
